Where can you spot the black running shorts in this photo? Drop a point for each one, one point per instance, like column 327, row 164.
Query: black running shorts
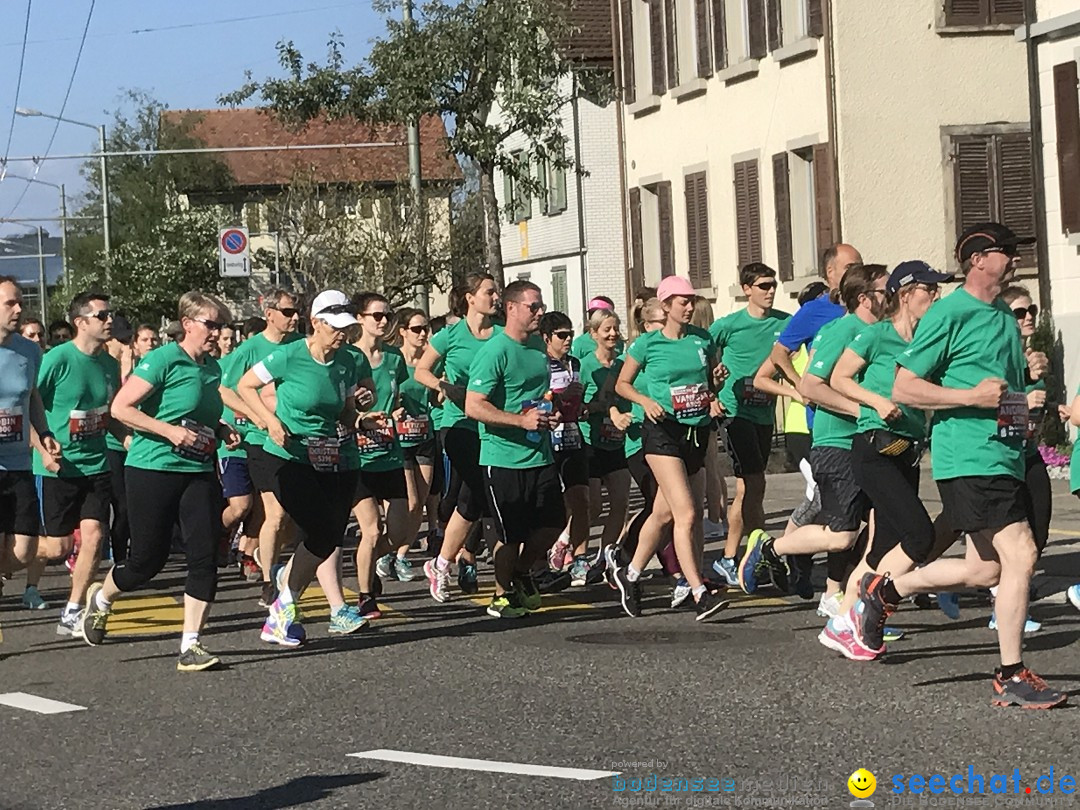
column 523, row 501
column 383, row 485
column 983, row 502
column 671, row 438
column 844, row 507
column 748, row 444
column 19, row 510
column 67, row 501
column 603, row 463
column 573, row 467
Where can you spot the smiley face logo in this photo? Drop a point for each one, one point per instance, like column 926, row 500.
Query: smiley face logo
column 862, row 784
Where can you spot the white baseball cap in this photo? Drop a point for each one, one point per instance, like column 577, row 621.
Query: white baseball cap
column 333, row 306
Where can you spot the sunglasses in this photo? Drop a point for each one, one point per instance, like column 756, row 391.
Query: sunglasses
column 288, row 312
column 213, row 326
column 1023, row 312
column 930, row 288
column 102, row 315
column 419, row 330
column 767, row 285
column 564, row 334
column 537, row 306
column 378, row 316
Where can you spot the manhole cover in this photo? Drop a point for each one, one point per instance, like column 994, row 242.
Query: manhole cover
column 634, row 638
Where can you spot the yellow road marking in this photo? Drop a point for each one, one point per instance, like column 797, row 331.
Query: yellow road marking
column 146, row 615
column 1062, row 533
column 550, row 603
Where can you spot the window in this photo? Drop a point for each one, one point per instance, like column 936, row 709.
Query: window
column 553, row 180
column 747, row 212
column 559, row 299
column 984, row 12
column 993, row 181
column 697, row 230
column 1067, row 119
column 517, row 200
column 651, row 234
column 803, row 193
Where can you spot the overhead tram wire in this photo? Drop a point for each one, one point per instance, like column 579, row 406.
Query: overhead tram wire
column 18, row 82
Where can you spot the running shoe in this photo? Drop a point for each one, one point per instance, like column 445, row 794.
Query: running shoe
column 949, row 602
column 597, row 572
column 32, row 600
column 713, row 531
column 611, row 559
column 346, row 619
column 752, row 564
column 681, row 592
column 890, row 634
column 437, row 580
column 1026, row 690
column 1030, row 626
column 196, row 659
column 505, row 607
column 709, row 605
column 1074, row 595
column 368, row 607
column 728, row 569
column 528, row 595
column 869, row 615
column 839, row 637
column 579, row 570
column 69, row 623
column 93, row 621
column 559, row 554
column 629, row 592
column 801, row 584
column 829, row 605
column 778, row 568
column 250, row 569
column 466, row 577
column 281, row 626
column 384, row 566
column 403, row 570
column 548, row 581
column 268, row 595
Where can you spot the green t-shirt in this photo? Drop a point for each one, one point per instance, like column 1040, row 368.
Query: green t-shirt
column 76, row 390
column 833, row 429
column 584, row 345
column 744, row 343
column 457, row 346
column 879, row 344
column 379, row 448
column 310, row 398
column 416, row 428
column 679, row 382
column 235, row 366
column 961, row 342
column 514, row 377
column 598, row 430
column 182, row 390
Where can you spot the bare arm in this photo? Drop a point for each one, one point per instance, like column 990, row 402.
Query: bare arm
column 248, row 390
column 765, row 380
column 816, row 390
column 232, row 400
column 910, row 389
column 624, row 387
column 478, row 407
column 843, row 382
column 423, row 371
column 781, row 360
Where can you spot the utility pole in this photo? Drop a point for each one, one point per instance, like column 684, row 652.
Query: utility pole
column 63, row 243
column 104, row 201
column 42, row 290
column 418, row 218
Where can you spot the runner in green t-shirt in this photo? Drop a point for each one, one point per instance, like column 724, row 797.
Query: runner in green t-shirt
column 171, row 403
column 677, row 398
column 967, row 364
column 77, row 382
column 455, row 347
column 585, row 344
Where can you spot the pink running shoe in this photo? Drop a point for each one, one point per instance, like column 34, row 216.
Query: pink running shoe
column 437, row 580
column 840, row 638
column 559, row 555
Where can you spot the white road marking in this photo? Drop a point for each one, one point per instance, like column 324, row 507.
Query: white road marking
column 493, row 766
column 33, row 703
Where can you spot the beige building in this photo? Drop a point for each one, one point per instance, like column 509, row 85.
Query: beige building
column 765, row 130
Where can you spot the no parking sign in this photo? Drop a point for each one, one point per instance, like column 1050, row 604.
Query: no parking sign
column 233, row 259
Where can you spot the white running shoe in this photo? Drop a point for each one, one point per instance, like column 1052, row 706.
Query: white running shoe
column 829, row 606
column 714, row 531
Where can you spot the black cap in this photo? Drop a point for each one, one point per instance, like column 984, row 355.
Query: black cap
column 914, row 272
column 121, row 329
column 988, row 235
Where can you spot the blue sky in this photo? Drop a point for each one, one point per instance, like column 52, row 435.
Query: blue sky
column 199, row 56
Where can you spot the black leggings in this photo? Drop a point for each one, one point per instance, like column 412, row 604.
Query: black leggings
column 156, row 500
column 463, row 448
column 1039, row 500
column 120, row 533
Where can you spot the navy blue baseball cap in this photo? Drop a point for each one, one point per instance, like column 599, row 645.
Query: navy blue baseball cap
column 914, row 272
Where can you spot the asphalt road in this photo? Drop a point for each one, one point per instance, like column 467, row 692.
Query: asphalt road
column 750, row 701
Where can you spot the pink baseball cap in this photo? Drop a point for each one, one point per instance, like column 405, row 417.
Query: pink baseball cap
column 674, row 285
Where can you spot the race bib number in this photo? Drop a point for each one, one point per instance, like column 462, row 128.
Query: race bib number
column 413, row 429
column 754, row 396
column 86, row 425
column 375, row 441
column 688, row 401
column 11, row 425
column 566, row 437
column 609, row 434
column 324, row 452
column 1012, row 416
column 205, row 442
column 241, row 421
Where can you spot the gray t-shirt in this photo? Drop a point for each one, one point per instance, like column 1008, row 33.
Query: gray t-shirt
column 20, row 360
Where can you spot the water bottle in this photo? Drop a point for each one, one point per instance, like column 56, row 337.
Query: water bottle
column 543, row 406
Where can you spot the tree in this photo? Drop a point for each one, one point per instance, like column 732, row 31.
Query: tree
column 493, row 67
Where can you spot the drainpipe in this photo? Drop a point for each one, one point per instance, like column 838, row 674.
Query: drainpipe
column 617, row 75
column 1042, row 250
column 583, row 257
column 830, row 102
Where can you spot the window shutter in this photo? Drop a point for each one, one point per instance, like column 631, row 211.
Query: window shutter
column 775, row 25
column 545, row 191
column 824, row 196
column 626, row 8
column 697, row 230
column 755, row 22
column 637, row 249
column 967, row 12
column 671, row 44
column 815, row 21
column 701, row 38
column 559, row 299
column 972, row 156
column 522, row 199
column 656, row 47
column 782, row 197
column 747, row 212
column 667, row 234
column 558, row 190
column 1016, row 187
column 509, row 198
column 1067, row 111
column 692, row 252
column 719, row 31
column 1007, row 12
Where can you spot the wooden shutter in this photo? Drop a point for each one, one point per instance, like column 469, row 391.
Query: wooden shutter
column 666, row 228
column 1067, row 112
column 656, row 47
column 671, row 44
column 967, row 12
column 755, row 21
column 782, row 198
column 815, row 20
column 719, row 32
column 775, row 25
column 626, row 8
column 701, row 38
column 560, row 300
column 824, row 197
column 1016, row 190
column 637, row 249
column 747, row 212
column 697, row 230
column 972, row 156
column 509, row 198
column 1006, row 12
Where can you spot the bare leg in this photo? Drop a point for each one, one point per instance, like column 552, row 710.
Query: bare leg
column 86, row 564
column 367, row 515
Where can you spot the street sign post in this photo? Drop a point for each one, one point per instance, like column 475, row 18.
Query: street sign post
column 233, row 258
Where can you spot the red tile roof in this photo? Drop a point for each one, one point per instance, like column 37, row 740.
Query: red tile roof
column 259, row 127
column 591, row 40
